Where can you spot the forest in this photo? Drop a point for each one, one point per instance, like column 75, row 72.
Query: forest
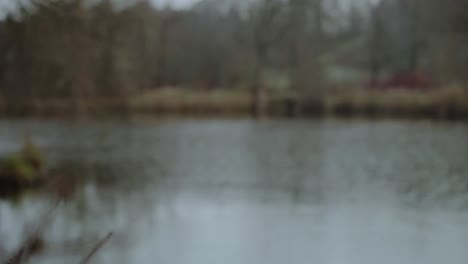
column 248, row 55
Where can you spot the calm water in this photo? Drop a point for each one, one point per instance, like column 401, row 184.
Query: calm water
column 179, row 192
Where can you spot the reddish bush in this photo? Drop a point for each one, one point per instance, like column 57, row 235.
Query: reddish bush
column 406, row 80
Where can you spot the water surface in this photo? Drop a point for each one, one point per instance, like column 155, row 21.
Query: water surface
column 179, row 192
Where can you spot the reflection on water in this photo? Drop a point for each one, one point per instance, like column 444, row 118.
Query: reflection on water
column 247, row 192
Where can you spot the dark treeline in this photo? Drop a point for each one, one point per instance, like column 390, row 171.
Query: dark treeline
column 76, row 49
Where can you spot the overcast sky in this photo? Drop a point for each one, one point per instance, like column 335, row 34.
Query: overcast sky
column 6, row 5
column 175, row 3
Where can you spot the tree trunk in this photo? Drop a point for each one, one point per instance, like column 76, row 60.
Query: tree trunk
column 259, row 95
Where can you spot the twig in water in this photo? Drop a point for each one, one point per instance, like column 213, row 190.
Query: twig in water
column 96, row 248
column 34, row 241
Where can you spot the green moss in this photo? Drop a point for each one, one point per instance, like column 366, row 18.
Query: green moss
column 22, row 168
column 15, row 166
column 32, row 155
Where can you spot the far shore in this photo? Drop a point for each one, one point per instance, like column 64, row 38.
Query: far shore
column 450, row 103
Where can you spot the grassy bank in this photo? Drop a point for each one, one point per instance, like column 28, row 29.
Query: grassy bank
column 447, row 103
column 21, row 169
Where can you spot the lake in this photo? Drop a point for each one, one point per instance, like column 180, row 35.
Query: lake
column 241, row 191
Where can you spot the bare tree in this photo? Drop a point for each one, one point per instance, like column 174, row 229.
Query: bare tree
column 306, row 23
column 265, row 18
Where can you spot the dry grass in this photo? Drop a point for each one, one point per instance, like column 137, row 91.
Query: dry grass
column 447, row 102
column 177, row 100
column 450, row 102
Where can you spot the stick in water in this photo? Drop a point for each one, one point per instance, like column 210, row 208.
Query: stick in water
column 34, row 239
column 96, row 248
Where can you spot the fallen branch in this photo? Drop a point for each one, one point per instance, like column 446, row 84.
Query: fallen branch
column 34, row 242
column 96, row 248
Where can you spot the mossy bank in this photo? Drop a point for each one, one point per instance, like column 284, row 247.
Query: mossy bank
column 22, row 169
